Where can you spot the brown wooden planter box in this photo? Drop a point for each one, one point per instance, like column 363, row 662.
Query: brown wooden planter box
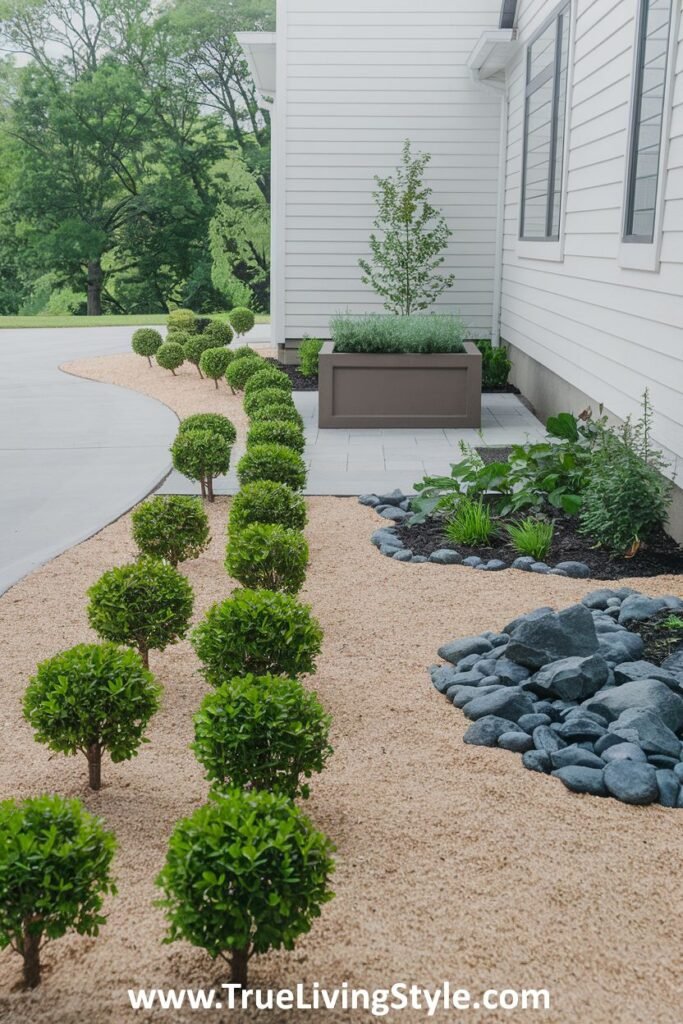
column 388, row 391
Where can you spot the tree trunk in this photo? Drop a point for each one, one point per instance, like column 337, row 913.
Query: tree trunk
column 30, row 948
column 95, row 281
column 95, row 766
column 209, row 487
column 239, row 964
column 202, row 484
column 144, row 654
column 149, row 360
column 216, row 382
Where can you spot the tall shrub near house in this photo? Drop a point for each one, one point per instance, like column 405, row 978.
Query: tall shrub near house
column 408, row 243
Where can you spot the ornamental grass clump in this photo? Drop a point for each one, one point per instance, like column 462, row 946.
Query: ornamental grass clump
column 309, row 354
column 201, row 455
column 268, row 378
column 470, row 523
column 277, row 432
column 170, row 356
column 146, row 604
column 214, row 422
column 267, row 501
column 91, row 699
column 241, row 370
column 262, row 732
column 241, row 320
column 380, row 333
column 260, row 632
column 214, row 362
column 268, row 557
column 531, row 537
column 146, row 342
column 272, row 462
column 55, row 871
column 173, row 527
column 281, row 410
column 246, row 873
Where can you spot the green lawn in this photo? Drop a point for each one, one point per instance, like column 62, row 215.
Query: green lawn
column 108, row 320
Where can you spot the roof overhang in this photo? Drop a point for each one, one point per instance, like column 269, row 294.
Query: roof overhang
column 260, row 51
column 508, row 14
column 492, row 53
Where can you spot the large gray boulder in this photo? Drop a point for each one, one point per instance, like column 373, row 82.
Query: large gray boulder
column 644, row 694
column 653, row 735
column 456, row 650
column 537, row 613
column 577, row 757
column 674, row 664
column 487, row 730
column 571, row 678
column 632, row 783
column 461, row 695
column 507, row 702
column 582, row 780
column 620, row 646
column 537, row 642
column 639, row 608
column 629, row 670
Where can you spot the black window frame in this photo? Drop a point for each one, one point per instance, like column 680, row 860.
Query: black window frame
column 553, row 71
column 628, row 235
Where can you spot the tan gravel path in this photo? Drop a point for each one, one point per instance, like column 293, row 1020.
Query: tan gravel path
column 454, row 862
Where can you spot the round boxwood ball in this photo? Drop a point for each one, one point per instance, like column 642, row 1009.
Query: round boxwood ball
column 267, row 501
column 214, row 362
column 195, row 346
column 147, row 342
column 277, row 432
column 182, row 320
column 272, row 462
column 245, row 352
column 170, row 356
column 267, row 396
column 268, row 557
column 268, row 378
column 214, row 422
column 219, row 332
column 201, row 455
column 173, row 527
column 241, row 319
column 240, row 371
column 259, row 631
column 282, row 410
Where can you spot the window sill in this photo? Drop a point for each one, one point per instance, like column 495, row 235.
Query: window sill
column 553, row 251
column 640, row 256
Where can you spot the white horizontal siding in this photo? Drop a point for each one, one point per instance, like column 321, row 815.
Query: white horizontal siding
column 362, row 76
column 608, row 331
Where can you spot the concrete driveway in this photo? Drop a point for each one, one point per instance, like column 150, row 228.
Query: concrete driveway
column 74, row 454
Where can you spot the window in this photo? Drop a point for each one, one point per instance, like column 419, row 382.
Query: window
column 654, row 26
column 544, row 129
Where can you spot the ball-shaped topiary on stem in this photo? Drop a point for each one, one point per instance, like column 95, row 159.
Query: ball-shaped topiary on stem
column 195, row 347
column 240, row 370
column 269, row 557
column 219, row 332
column 277, row 432
column 268, row 378
column 182, row 320
column 201, row 455
column 267, row 396
column 170, row 356
column 263, row 732
column 281, row 410
column 146, row 604
column 146, row 342
column 267, row 502
column 214, row 362
column 91, row 699
column 211, row 421
column 174, row 527
column 246, row 873
column 257, row 631
column 246, row 352
column 55, row 870
column 272, row 462
column 242, row 320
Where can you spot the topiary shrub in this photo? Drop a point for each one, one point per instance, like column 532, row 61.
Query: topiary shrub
column 495, row 365
column 245, row 352
column 214, row 362
column 264, row 732
column 246, row 873
column 268, row 378
column 282, row 410
column 91, row 699
column 146, row 342
column 241, row 319
column 174, row 527
column 277, row 432
column 201, row 455
column 182, row 320
column 195, row 347
column 257, row 631
column 219, row 332
column 240, row 371
column 269, row 557
column 309, row 354
column 201, row 323
column 267, row 396
column 212, row 421
column 272, row 462
column 267, row 502
column 146, row 604
column 170, row 356
column 55, row 862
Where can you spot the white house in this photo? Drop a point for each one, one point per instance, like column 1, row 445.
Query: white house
column 556, row 131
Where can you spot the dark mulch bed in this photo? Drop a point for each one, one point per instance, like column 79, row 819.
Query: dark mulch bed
column 662, row 636
column 299, row 382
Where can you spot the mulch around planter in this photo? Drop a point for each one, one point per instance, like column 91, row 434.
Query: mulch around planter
column 299, row 382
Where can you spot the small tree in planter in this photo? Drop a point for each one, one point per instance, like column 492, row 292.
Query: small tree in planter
column 93, row 698
column 147, row 342
column 407, row 247
column 147, row 605
column 214, row 362
column 55, row 862
column 173, row 526
column 242, row 320
column 245, row 874
column 201, row 455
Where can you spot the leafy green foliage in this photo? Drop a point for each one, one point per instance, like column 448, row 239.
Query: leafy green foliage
column 245, row 874
column 309, row 353
column 218, row 332
column 408, row 242
column 170, row 356
column 269, row 557
column 90, row 699
column 195, row 347
column 182, row 320
column 267, row 397
column 214, row 422
column 241, row 370
column 531, row 537
column 214, row 362
column 146, row 604
column 277, row 432
column 270, row 378
column 380, row 333
column 281, row 410
column 174, row 527
column 239, row 239
column 263, row 732
column 241, row 319
column 267, row 502
column 201, row 455
column 272, row 462
column 496, row 365
column 146, row 342
column 257, row 631
column 245, row 352
column 55, row 870
column 470, row 523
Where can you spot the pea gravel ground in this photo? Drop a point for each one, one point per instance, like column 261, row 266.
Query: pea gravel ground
column 453, row 862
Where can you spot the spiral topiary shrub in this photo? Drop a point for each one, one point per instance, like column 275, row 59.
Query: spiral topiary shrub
column 281, row 410
column 212, row 421
column 173, row 527
column 268, row 378
column 146, row 342
column 214, row 362
column 170, row 356
column 201, row 455
column 55, row 870
column 146, row 604
column 267, row 502
column 91, row 699
column 277, row 432
column 195, row 347
column 241, row 370
column 182, row 320
column 268, row 557
column 264, row 732
column 257, row 631
column 219, row 332
column 272, row 462
column 246, row 873
column 241, row 319
column 267, row 396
